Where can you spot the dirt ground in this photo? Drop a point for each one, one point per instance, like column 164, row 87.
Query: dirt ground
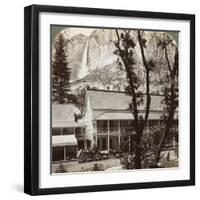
column 74, row 166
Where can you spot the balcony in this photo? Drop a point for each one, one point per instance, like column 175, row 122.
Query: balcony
column 114, row 130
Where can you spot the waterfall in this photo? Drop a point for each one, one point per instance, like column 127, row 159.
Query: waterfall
column 84, row 67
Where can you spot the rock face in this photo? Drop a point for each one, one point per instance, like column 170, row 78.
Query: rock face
column 93, row 62
column 87, row 53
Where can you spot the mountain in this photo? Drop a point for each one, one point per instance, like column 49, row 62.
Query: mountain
column 107, row 77
column 86, row 54
column 94, row 64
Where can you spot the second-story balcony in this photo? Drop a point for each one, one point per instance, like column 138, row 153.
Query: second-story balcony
column 121, row 130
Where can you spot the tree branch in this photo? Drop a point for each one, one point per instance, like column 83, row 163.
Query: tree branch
column 148, row 98
column 168, row 62
column 118, row 39
column 134, row 98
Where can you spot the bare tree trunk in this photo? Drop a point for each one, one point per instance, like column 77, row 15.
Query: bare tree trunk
column 164, row 136
column 148, row 102
column 135, row 110
column 172, row 107
column 139, row 123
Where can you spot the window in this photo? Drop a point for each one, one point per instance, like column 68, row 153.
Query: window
column 153, row 123
column 58, row 153
column 98, row 143
column 113, row 125
column 102, row 125
column 127, row 123
column 56, row 131
column 68, row 131
column 104, row 143
column 78, row 130
column 111, row 143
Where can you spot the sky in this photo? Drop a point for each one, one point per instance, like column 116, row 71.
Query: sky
column 85, row 31
column 55, row 29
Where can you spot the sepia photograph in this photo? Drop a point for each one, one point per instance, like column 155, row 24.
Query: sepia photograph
column 109, row 99
column 114, row 99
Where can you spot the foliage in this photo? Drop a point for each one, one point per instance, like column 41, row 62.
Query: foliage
column 170, row 83
column 125, row 50
column 60, row 72
column 149, row 147
column 98, row 167
column 93, row 154
column 61, row 168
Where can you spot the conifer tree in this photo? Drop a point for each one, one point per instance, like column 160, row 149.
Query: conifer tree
column 60, row 72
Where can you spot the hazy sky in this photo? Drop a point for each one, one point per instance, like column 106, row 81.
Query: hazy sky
column 55, row 29
column 85, row 31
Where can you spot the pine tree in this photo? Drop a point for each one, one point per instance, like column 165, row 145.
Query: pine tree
column 60, row 72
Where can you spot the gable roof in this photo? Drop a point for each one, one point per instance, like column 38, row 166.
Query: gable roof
column 127, row 116
column 63, row 116
column 114, row 100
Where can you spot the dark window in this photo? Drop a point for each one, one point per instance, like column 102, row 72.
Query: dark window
column 127, row 126
column 153, row 123
column 68, row 131
column 98, row 143
column 104, row 143
column 56, row 131
column 70, row 152
column 127, row 123
column 58, row 153
column 113, row 126
column 78, row 130
column 111, row 143
column 124, row 123
column 102, row 125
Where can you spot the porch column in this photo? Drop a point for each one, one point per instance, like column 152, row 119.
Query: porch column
column 129, row 143
column 108, row 128
column 65, row 151
column 85, row 144
column 119, row 134
column 174, row 138
column 174, row 142
column 147, row 125
column 95, row 129
column 95, row 140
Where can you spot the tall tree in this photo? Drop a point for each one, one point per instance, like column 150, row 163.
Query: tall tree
column 60, row 72
column 124, row 49
column 171, row 87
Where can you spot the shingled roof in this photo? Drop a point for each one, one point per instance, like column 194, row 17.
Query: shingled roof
column 63, row 116
column 114, row 100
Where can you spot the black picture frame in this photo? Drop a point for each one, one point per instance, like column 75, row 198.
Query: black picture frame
column 31, row 99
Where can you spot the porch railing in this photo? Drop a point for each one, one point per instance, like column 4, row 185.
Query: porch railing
column 115, row 129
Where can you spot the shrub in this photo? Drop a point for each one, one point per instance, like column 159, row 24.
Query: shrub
column 61, row 168
column 97, row 167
